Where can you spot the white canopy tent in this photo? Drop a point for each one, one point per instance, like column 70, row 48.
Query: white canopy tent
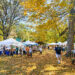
column 65, row 43
column 33, row 43
column 52, row 43
column 29, row 43
column 59, row 43
column 11, row 41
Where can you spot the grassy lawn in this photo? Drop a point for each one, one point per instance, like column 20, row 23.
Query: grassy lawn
column 38, row 64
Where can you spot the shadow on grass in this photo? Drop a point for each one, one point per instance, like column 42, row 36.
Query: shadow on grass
column 44, row 64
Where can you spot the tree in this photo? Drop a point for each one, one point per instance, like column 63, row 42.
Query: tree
column 46, row 34
column 11, row 13
column 54, row 13
column 13, row 33
column 71, row 28
column 1, row 37
column 21, row 32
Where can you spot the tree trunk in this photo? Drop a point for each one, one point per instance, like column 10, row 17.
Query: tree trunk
column 70, row 41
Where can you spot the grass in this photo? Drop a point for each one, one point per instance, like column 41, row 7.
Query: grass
column 45, row 64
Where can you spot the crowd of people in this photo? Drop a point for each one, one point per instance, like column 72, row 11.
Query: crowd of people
column 26, row 50
column 29, row 50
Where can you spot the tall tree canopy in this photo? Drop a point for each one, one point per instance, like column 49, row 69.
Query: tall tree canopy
column 11, row 13
column 52, row 15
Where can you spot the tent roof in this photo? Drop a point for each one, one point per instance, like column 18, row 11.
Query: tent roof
column 11, row 41
column 29, row 43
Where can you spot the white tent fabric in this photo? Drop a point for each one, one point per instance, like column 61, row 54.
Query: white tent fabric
column 11, row 41
column 65, row 43
column 59, row 43
column 52, row 43
column 29, row 43
column 33, row 43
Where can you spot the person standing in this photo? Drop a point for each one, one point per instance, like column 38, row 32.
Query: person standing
column 30, row 51
column 21, row 51
column 27, row 49
column 17, row 50
column 48, row 48
column 58, row 50
column 11, row 50
column 24, row 50
column 4, row 48
column 40, row 48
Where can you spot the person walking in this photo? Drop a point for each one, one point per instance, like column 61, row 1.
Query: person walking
column 58, row 51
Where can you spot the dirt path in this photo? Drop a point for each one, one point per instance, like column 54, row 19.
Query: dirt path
column 44, row 64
